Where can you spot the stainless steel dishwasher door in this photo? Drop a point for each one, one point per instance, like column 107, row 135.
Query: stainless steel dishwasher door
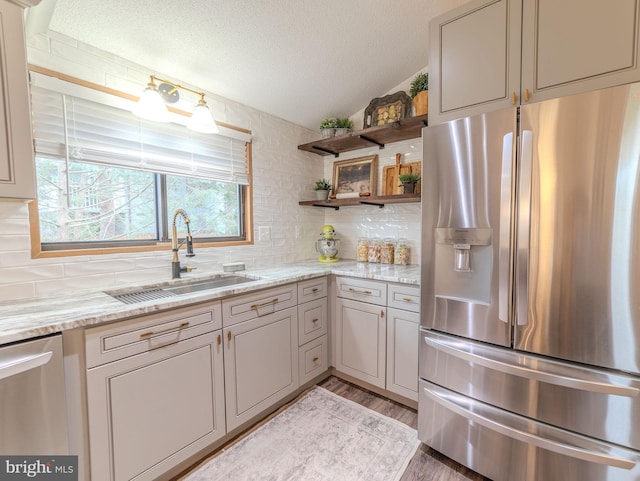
column 33, row 418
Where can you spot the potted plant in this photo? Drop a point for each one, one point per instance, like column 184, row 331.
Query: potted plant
column 322, row 188
column 409, row 182
column 343, row 126
column 328, row 128
column 419, row 92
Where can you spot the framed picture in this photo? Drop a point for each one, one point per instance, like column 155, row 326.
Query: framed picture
column 387, row 109
column 355, row 175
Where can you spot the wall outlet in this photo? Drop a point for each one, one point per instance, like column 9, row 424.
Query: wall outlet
column 264, row 233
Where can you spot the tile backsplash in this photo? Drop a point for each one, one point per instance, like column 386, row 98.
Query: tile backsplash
column 282, row 175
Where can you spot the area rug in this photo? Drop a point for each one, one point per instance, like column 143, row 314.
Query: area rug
column 322, row 437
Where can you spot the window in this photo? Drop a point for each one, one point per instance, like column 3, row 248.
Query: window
column 107, row 179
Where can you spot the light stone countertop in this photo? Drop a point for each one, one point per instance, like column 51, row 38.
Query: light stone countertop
column 33, row 317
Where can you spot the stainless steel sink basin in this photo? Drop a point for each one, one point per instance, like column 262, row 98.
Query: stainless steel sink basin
column 133, row 296
column 207, row 284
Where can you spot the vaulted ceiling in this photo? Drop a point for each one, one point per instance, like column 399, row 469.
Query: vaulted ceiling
column 300, row 60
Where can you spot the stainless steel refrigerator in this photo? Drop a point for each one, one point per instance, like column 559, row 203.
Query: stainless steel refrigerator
column 530, row 325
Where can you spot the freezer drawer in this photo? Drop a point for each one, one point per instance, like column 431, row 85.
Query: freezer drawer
column 507, row 447
column 598, row 403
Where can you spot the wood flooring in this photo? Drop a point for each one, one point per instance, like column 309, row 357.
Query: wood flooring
column 427, row 464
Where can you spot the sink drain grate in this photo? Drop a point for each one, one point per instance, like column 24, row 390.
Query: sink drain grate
column 142, row 296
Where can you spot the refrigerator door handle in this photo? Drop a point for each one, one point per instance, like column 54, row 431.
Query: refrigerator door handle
column 504, row 261
column 572, row 382
column 482, row 415
column 524, row 215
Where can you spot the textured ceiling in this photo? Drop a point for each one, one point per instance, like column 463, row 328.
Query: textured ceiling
column 300, row 60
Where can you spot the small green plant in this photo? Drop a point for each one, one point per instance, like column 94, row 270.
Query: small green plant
column 322, row 184
column 419, row 83
column 412, row 177
column 329, row 123
column 345, row 123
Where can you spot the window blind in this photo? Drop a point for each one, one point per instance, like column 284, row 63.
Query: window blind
column 81, row 124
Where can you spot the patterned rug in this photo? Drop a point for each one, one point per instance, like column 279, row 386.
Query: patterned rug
column 322, row 437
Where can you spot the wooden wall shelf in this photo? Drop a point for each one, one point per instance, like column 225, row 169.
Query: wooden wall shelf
column 380, row 201
column 381, row 135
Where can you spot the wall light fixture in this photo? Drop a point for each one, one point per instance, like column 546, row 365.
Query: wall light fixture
column 152, row 105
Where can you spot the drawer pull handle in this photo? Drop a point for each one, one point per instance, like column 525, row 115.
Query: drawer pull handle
column 514, row 98
column 313, row 321
column 229, row 337
column 527, row 96
column 219, row 339
column 168, row 329
column 314, row 290
column 407, row 299
column 258, row 306
column 356, row 291
column 315, row 359
column 381, row 314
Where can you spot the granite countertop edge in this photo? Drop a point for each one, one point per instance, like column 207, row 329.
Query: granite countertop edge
column 25, row 319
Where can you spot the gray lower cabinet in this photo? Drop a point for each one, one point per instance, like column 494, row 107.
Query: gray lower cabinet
column 155, row 392
column 260, row 338
column 313, row 320
column 377, row 334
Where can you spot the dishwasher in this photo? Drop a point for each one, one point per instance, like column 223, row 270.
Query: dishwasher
column 33, row 418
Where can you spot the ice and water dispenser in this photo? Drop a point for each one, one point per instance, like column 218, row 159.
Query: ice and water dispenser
column 463, row 264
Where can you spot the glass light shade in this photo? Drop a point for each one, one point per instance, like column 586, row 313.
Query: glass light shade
column 202, row 119
column 151, row 106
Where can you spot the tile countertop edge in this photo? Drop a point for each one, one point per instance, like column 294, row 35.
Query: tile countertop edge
column 30, row 318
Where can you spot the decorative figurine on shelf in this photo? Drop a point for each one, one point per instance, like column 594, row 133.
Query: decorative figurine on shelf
column 327, row 245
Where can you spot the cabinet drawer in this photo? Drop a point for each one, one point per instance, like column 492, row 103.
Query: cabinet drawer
column 122, row 339
column 313, row 359
column 363, row 290
column 312, row 320
column 312, row 289
column 250, row 306
column 404, row 297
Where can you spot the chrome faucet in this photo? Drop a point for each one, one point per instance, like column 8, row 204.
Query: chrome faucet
column 175, row 262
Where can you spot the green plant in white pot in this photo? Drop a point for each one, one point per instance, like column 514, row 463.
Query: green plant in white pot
column 328, row 127
column 343, row 126
column 322, row 188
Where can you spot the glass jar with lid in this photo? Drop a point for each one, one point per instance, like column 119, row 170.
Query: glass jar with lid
column 402, row 253
column 386, row 251
column 362, row 249
column 374, row 250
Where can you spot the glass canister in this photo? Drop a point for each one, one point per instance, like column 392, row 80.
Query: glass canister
column 374, row 250
column 362, row 250
column 386, row 251
column 402, row 254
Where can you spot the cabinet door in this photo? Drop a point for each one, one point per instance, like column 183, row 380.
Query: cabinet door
column 474, row 59
column 403, row 342
column 17, row 179
column 261, row 364
column 573, row 46
column 361, row 340
column 148, row 413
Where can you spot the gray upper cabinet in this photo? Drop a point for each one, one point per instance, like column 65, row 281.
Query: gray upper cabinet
column 16, row 150
column 491, row 54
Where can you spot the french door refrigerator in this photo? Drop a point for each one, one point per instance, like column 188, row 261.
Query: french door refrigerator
column 530, row 326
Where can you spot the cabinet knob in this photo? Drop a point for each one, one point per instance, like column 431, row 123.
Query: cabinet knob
column 526, row 95
column 514, row 98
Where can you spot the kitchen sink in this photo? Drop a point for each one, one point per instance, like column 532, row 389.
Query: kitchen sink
column 204, row 285
column 142, row 294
